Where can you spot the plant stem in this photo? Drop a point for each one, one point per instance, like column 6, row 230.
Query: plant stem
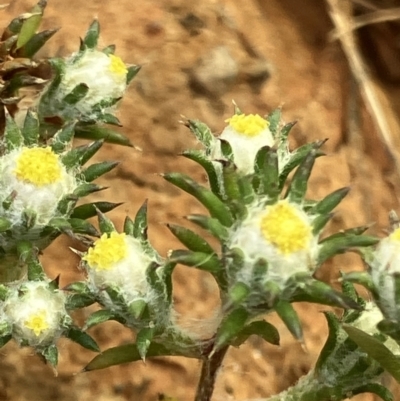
column 208, row 375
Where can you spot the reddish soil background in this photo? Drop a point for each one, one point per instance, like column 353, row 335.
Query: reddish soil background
column 196, row 58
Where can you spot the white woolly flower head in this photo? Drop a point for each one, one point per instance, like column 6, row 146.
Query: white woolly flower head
column 37, row 313
column 246, row 135
column 282, row 235
column 37, row 180
column 104, row 74
column 118, row 260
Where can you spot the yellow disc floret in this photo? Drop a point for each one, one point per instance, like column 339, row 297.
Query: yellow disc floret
column 37, row 322
column 395, row 235
column 107, row 251
column 38, row 166
column 117, row 66
column 284, row 227
column 248, row 125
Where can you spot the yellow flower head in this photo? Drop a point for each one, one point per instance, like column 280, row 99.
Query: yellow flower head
column 107, row 251
column 38, row 166
column 117, row 66
column 283, row 226
column 249, row 125
column 37, row 322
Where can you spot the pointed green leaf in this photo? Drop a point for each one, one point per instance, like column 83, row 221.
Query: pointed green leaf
column 36, row 42
column 143, row 340
column 92, row 35
column 337, row 245
column 86, row 189
column 354, row 231
column 239, row 292
column 30, row 131
column 50, row 354
column 98, row 169
column 129, row 226
column 97, row 132
column 298, row 186
column 5, row 339
column 289, row 316
column 374, row 388
column 124, row 354
column 286, row 130
column 190, row 239
column 215, row 206
column 226, row 150
column 79, row 301
column 202, row 132
column 12, row 134
column 320, row 222
column 110, row 49
column 231, row 182
column 261, row 328
column 391, row 328
column 209, row 167
column 83, row 227
column 199, row 260
column 274, row 118
column 230, row 327
column 105, row 224
column 88, row 210
column 109, row 118
column 82, row 339
column 100, row 316
column 332, row 342
column 132, row 72
column 136, row 308
column 140, row 223
column 210, row 224
column 80, row 155
column 31, row 24
column 296, row 158
column 327, row 204
column 267, row 170
column 63, row 138
column 375, row 350
column 77, row 94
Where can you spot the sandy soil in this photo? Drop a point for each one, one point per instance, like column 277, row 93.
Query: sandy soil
column 196, row 58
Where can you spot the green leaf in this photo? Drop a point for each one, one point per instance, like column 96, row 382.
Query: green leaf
column 261, row 328
column 143, row 340
column 320, row 222
column 274, row 118
column 132, row 72
column 202, row 132
column 199, row 157
column 137, row 308
column 336, row 245
column 327, row 204
column 96, row 132
column 98, row 169
column 231, row 185
column 80, row 155
column 289, row 316
column 79, row 301
column 332, row 342
column 30, row 131
column 12, row 134
column 375, row 350
column 267, row 170
column 87, row 189
column 88, row 210
column 239, row 292
column 215, row 206
column 110, row 49
column 231, row 327
column 199, row 260
column 77, row 94
column 105, row 224
column 109, row 118
column 190, row 239
column 129, row 226
column 125, row 354
column 374, row 388
column 298, row 186
column 31, row 24
column 50, row 354
column 36, row 42
column 226, row 150
column 92, row 35
column 98, row 317
column 140, row 223
column 63, row 138
column 391, row 328
column 4, row 340
column 210, row 224
column 83, row 339
column 83, row 227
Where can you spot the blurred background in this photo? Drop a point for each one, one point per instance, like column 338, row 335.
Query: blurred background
column 332, row 65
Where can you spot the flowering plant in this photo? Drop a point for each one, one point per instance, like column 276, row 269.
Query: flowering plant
column 267, row 240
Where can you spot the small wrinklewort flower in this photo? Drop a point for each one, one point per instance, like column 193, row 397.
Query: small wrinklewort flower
column 38, row 181
column 282, row 235
column 246, row 134
column 119, row 261
column 105, row 75
column 37, row 313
